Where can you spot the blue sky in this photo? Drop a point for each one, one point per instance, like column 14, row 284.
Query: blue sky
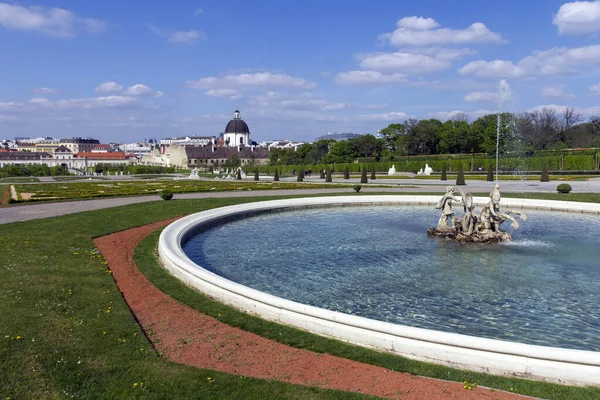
column 128, row 70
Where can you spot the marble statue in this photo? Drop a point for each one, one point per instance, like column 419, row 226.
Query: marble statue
column 484, row 228
column 425, row 171
column 194, row 175
column 392, row 170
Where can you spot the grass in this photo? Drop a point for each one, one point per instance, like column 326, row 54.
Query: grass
column 66, row 331
column 87, row 190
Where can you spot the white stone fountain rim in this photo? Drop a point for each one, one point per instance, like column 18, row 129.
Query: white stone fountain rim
column 463, row 351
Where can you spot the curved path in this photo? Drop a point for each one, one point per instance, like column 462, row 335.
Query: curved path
column 189, row 337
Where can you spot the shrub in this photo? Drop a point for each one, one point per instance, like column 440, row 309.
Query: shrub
column 321, row 174
column 363, row 177
column 328, row 176
column 545, row 176
column 356, row 188
column 166, row 194
column 373, row 174
column 460, row 179
column 563, row 188
column 490, row 174
column 444, row 177
column 238, row 175
column 346, row 173
column 256, row 175
column 300, row 175
column 276, row 176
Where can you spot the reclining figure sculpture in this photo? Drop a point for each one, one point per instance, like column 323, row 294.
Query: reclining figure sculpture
column 469, row 227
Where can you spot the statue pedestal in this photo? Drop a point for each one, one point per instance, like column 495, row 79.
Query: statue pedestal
column 479, row 237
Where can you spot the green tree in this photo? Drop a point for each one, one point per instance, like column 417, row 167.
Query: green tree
column 391, row 136
column 363, row 177
column 460, row 178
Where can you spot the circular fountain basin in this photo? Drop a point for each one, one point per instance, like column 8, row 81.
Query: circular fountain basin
column 444, row 341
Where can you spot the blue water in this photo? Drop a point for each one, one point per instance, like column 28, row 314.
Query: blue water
column 377, row 262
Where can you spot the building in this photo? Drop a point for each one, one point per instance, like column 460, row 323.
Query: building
column 63, row 156
column 213, row 156
column 236, row 132
column 78, row 145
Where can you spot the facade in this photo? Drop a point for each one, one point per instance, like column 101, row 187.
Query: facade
column 64, row 157
column 213, row 156
column 77, row 145
column 236, row 132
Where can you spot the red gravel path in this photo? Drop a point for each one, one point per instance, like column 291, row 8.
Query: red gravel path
column 5, row 195
column 190, row 337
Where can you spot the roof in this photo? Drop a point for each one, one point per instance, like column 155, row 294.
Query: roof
column 118, row 155
column 226, row 152
column 62, row 149
column 24, row 155
column 237, row 126
column 102, row 146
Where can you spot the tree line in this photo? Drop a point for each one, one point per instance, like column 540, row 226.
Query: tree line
column 543, row 129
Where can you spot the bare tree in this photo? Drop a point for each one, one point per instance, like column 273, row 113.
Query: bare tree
column 461, row 117
column 571, row 117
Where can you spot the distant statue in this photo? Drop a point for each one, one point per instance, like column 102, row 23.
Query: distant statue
column 469, row 227
column 194, row 174
column 445, row 204
column 420, row 172
column 428, row 170
column 392, row 170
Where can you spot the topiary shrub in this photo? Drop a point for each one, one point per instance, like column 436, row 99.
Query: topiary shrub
column 346, row 173
column 564, row 188
column 363, row 177
column 256, row 175
column 373, row 174
column 276, row 176
column 328, row 176
column 322, row 174
column 166, row 194
column 545, row 176
column 460, row 178
column 238, row 175
column 490, row 174
column 356, row 188
column 300, row 175
column 443, row 177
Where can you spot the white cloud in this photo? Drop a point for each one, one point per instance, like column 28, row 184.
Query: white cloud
column 577, row 18
column 419, row 31
column 44, row 90
column 302, row 101
column 256, row 80
column 555, row 61
column 189, row 36
column 389, row 116
column 107, row 87
column 481, row 97
column 138, row 90
column 556, row 92
column 585, row 112
column 595, row 88
column 198, row 12
column 368, row 78
column 406, row 63
column 230, row 94
column 56, row 22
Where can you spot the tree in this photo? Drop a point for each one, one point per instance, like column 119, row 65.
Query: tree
column 321, row 174
column 460, row 178
column 366, row 146
column 363, row 177
column 391, row 136
column 276, row 176
column 328, row 176
column 423, row 138
column 300, row 177
column 339, row 152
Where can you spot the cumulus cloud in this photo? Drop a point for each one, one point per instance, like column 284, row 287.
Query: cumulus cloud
column 44, row 90
column 230, row 94
column 389, row 116
column 189, row 36
column 368, row 78
column 198, row 12
column 56, row 22
column 419, row 31
column 595, row 88
column 481, row 97
column 248, row 81
column 108, row 87
column 407, row 63
column 556, row 92
column 555, row 61
column 302, row 101
column 578, row 18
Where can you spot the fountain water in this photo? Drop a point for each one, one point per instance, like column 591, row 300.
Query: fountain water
column 505, row 99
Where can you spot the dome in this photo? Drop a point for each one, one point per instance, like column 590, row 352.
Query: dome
column 237, row 125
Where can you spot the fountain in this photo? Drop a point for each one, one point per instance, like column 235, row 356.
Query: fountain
column 368, row 275
column 470, row 228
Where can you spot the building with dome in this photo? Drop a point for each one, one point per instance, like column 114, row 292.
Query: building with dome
column 236, row 132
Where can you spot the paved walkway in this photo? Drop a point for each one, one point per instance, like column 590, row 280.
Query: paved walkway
column 45, row 210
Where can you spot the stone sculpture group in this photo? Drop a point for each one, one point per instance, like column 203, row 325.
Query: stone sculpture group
column 484, row 228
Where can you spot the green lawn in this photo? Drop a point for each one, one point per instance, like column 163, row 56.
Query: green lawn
column 19, row 179
column 66, row 331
